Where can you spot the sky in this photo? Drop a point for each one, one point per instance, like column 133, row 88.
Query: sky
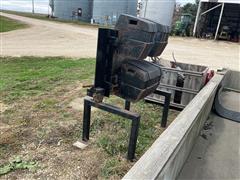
column 41, row 6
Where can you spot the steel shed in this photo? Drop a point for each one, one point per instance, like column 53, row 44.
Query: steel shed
column 217, row 17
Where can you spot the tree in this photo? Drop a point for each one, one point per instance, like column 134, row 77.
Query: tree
column 191, row 8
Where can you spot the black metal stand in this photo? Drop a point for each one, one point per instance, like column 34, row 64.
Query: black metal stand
column 88, row 103
column 127, row 105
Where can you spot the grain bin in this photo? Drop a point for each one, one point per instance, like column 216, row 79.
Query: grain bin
column 73, row 9
column 108, row 11
column 96, row 11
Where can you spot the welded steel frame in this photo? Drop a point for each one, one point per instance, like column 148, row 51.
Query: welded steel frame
column 134, row 117
column 125, row 113
column 166, row 106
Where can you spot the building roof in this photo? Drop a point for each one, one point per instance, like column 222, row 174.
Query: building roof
column 223, row 1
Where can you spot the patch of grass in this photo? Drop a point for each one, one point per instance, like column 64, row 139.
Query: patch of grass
column 47, row 18
column 7, row 24
column 109, row 167
column 46, row 104
column 29, row 76
column 16, row 164
column 112, row 144
column 4, row 148
column 114, row 168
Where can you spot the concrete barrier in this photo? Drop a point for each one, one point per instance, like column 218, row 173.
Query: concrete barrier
column 165, row 158
column 227, row 100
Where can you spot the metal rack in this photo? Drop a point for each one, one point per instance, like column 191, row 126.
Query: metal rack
column 125, row 113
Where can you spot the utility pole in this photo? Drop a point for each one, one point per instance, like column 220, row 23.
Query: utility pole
column 219, row 21
column 51, row 4
column 33, row 6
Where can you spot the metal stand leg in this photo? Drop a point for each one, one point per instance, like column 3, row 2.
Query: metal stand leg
column 133, row 139
column 127, row 105
column 165, row 110
column 86, row 121
column 167, row 96
column 88, row 102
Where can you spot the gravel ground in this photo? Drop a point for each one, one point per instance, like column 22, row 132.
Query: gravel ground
column 45, row 38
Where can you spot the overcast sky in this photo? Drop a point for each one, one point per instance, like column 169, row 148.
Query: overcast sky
column 41, row 6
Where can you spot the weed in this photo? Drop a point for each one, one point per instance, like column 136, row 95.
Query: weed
column 115, row 168
column 110, row 167
column 16, row 164
column 4, row 148
column 46, row 103
column 113, row 145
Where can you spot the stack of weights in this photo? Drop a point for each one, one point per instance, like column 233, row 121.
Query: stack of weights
column 138, row 38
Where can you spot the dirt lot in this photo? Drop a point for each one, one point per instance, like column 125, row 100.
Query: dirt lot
column 46, row 38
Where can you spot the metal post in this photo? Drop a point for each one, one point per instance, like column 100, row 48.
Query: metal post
column 48, row 12
column 86, row 121
column 127, row 105
column 51, row 4
column 133, row 139
column 219, row 21
column 211, row 9
column 166, row 106
column 166, row 109
column 33, row 6
column 197, row 18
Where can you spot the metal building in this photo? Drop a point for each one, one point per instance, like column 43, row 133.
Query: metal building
column 160, row 11
column 218, row 19
column 96, row 11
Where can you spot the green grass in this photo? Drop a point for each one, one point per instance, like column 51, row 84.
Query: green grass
column 7, row 24
column 45, row 17
column 28, row 76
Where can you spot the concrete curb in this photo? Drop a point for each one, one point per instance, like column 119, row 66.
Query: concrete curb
column 166, row 157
